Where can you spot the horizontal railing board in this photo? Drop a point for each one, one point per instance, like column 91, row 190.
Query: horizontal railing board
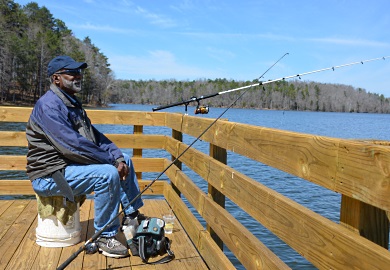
column 126, row 117
column 293, row 223
column 23, row 187
column 14, row 114
column 13, row 138
column 364, row 173
column 12, row 163
column 18, row 138
column 341, row 165
column 21, row 114
column 248, row 249
column 148, row 164
column 137, row 141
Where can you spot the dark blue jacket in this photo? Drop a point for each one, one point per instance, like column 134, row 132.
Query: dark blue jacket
column 60, row 133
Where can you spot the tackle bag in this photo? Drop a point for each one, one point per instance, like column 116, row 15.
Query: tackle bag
column 150, row 241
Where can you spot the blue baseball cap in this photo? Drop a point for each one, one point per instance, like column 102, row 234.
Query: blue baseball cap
column 63, row 61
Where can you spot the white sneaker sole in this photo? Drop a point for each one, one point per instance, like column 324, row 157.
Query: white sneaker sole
column 105, row 253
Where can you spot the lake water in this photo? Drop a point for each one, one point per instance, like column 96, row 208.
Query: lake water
column 319, row 200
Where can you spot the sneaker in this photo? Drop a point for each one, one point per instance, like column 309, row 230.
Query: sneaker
column 111, row 247
column 131, row 220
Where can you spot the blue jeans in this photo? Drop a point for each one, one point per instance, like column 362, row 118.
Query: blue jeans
column 109, row 191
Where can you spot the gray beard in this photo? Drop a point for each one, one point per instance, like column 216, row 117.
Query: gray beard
column 73, row 85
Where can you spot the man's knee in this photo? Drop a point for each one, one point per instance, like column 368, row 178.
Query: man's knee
column 112, row 171
column 127, row 158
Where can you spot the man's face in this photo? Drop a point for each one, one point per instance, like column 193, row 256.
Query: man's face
column 69, row 80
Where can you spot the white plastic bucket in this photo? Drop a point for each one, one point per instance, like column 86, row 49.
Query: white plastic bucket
column 50, row 232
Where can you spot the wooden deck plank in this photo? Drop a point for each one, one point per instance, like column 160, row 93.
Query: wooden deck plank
column 14, row 234
column 47, row 258
column 93, row 261
column 27, row 246
column 85, row 217
column 8, row 217
column 4, row 206
column 18, row 248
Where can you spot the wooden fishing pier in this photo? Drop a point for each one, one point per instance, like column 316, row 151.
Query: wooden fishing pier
column 358, row 170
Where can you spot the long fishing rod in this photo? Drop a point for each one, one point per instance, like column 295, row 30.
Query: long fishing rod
column 205, row 110
column 98, row 233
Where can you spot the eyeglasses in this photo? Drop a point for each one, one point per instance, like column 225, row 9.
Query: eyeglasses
column 72, row 72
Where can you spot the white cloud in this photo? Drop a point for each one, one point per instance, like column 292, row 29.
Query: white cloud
column 158, row 65
column 156, row 19
column 101, row 28
column 183, row 6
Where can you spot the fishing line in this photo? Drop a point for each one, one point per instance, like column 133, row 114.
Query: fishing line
column 98, row 233
column 197, row 99
column 302, row 74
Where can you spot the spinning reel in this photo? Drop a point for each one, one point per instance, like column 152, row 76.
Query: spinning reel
column 91, row 248
column 201, row 109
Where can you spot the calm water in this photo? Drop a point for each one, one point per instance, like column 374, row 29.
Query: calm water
column 319, row 200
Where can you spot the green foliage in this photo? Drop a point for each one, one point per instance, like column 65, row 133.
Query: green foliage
column 293, row 95
column 29, row 38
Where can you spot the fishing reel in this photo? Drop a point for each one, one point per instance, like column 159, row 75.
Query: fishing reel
column 91, row 248
column 201, row 109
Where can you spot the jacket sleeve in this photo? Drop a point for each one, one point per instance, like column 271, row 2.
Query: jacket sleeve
column 61, row 135
column 107, row 145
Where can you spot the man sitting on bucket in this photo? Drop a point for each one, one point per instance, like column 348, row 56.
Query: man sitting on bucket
column 62, row 144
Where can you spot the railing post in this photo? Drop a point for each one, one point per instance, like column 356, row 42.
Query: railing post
column 366, row 220
column 178, row 136
column 138, row 152
column 219, row 154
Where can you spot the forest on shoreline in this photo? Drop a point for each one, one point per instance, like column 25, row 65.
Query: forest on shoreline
column 30, row 37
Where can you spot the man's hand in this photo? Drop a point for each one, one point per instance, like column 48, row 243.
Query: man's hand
column 123, row 170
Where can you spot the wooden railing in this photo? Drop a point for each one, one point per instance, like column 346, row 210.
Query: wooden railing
column 358, row 170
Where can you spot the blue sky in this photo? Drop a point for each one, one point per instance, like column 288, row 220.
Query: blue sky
column 197, row 39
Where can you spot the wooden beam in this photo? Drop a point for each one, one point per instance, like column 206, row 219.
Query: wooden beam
column 23, row 187
column 14, row 114
column 202, row 240
column 290, row 221
column 244, row 245
column 366, row 220
column 13, row 138
column 220, row 155
column 344, row 166
column 177, row 135
column 137, row 152
column 18, row 163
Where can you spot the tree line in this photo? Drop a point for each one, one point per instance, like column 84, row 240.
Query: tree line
column 282, row 95
column 30, row 37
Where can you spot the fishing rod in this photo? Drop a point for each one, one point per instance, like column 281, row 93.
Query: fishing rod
column 90, row 243
column 205, row 109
